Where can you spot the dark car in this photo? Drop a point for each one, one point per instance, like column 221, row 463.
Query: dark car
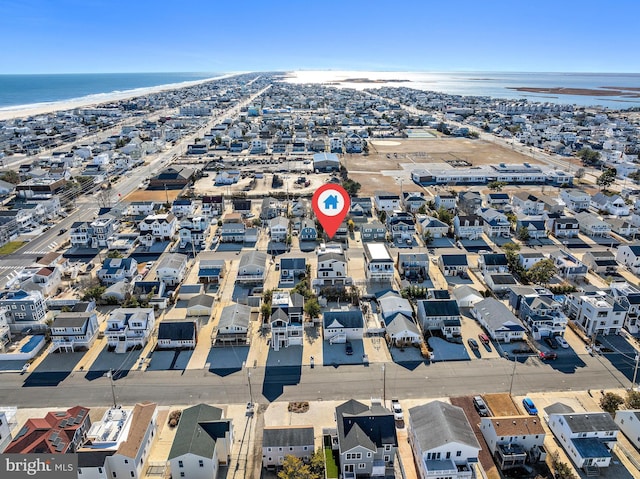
column 552, row 344
column 481, row 406
column 473, row 344
column 62, row 231
column 348, row 348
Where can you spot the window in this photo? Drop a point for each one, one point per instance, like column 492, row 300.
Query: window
column 132, row 474
column 448, row 455
column 458, row 453
column 200, row 463
column 114, row 474
column 180, row 464
column 362, row 465
column 182, row 474
column 126, row 461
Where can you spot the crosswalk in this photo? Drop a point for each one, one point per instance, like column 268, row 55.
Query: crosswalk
column 50, row 247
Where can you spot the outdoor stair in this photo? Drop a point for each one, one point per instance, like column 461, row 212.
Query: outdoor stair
column 591, row 471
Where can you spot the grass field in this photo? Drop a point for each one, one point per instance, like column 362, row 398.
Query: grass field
column 11, row 247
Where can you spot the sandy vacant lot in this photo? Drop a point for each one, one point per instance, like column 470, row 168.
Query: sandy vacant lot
column 152, row 195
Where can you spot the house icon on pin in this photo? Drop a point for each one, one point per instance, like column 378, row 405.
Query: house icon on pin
column 331, row 202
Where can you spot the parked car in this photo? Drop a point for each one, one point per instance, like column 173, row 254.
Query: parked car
column 481, row 406
column 473, row 344
column 348, row 348
column 548, row 355
column 483, row 338
column 62, row 231
column 398, row 415
column 529, row 406
column 550, row 341
column 562, row 342
column 250, row 409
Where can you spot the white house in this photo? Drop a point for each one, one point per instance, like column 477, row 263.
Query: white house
column 252, row 267
column 378, row 263
column 388, row 202
column 499, row 322
column 172, row 268
column 468, row 226
column 628, row 420
column 158, row 227
column 279, row 228
column 575, row 200
column 629, row 255
column 445, row 200
column 596, row 312
column 74, row 330
column 614, row 205
column 340, row 326
column 587, row 438
column 177, row 334
column 202, row 442
column 117, row 269
column 513, row 440
column 527, row 260
column 453, row 264
column 278, row 442
column 443, row 442
column 129, row 327
column 332, row 270
column 591, row 225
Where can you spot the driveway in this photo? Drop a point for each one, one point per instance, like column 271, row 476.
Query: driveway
column 121, row 364
column 620, row 353
column 446, row 351
column 335, row 354
column 284, row 368
column 53, row 369
column 227, row 360
column 169, row 360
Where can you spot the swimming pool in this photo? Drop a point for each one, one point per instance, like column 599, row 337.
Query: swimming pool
column 33, row 343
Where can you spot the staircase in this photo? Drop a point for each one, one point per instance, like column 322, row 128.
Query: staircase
column 339, row 338
column 121, row 347
column 591, row 471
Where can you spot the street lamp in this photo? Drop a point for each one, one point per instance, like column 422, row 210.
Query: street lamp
column 513, row 371
column 384, row 385
column 249, row 381
column 113, row 386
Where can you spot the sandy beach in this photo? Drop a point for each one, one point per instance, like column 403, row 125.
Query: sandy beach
column 21, row 111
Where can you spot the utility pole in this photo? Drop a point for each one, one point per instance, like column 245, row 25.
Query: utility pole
column 384, row 385
column 635, row 372
column 513, row 372
column 113, row 390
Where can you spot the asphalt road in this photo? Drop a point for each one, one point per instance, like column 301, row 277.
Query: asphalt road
column 320, row 383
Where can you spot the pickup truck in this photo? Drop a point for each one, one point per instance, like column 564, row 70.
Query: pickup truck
column 398, row 415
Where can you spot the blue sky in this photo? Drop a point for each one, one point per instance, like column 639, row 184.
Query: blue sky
column 66, row 36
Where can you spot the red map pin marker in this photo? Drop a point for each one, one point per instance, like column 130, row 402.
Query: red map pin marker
column 331, row 204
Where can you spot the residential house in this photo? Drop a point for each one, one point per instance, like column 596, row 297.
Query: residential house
column 543, row 316
column 183, row 207
column 453, row 264
column 252, row 267
column 527, row 260
column 211, row 270
column 596, row 312
column 443, row 442
column 495, row 223
column 535, row 228
column 24, row 309
column 526, row 203
column 292, row 269
column 401, row 330
column 552, row 205
column 367, row 440
column 390, row 303
column 287, row 314
column 172, row 268
column 129, row 327
column 158, row 227
column 498, row 282
column 308, row 230
column 466, row 296
column 565, row 227
column 232, row 230
column 179, row 334
column 587, row 438
column 613, row 205
column 332, row 270
column 142, row 208
column 70, row 331
column 514, row 440
column 271, row 208
column 493, row 263
column 413, row 266
column 117, row 269
column 360, row 209
column 241, row 205
column 430, row 227
column 496, row 200
column 378, row 264
column 445, row 200
column 576, row 200
column 200, row 305
column 469, row 201
column 340, row 326
column 152, row 291
column 568, row 266
column 119, row 444
column 628, row 296
column 203, row 440
column 325, row 162
column 401, row 225
column 233, row 325
column 373, row 231
column 354, row 143
column 279, row 229
column 299, row 208
column 629, row 256
column 628, row 420
column 213, row 206
column 600, row 262
column 59, row 432
column 193, row 230
column 413, row 201
column 171, row 179
column 387, row 202
column 591, row 225
column 468, row 226
column 279, row 442
column 623, row 227
column 46, row 280
column 440, row 314
column 499, row 322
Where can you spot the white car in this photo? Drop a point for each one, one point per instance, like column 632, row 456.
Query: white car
column 398, row 415
column 562, row 342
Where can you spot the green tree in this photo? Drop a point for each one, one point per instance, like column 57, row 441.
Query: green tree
column 607, row 178
column 265, row 309
column 382, row 216
column 312, row 308
column 10, row 177
column 588, row 156
column 294, row 468
column 428, row 237
column 351, row 187
column 351, row 225
column 114, row 254
column 580, row 173
column 523, row 234
column 445, row 215
column 422, row 210
column 542, row 272
column 94, row 293
column 610, row 402
column 511, row 216
column 317, row 463
column 632, row 401
column 496, row 185
column 562, row 469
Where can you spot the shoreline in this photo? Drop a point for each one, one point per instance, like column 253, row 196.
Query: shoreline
column 605, row 92
column 34, row 109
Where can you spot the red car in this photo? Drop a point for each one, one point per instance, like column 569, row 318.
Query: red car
column 548, row 355
column 483, row 338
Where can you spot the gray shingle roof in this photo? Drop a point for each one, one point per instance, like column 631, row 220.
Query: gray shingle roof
column 287, row 436
column 195, row 434
column 359, row 425
column 235, row 315
column 439, row 423
column 351, row 319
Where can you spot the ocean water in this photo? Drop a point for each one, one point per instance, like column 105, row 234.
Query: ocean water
column 493, row 84
column 22, row 90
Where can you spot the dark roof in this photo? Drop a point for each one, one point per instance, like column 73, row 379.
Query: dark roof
column 93, row 457
column 439, row 307
column 71, row 320
column 454, row 259
column 348, row 319
column 495, row 259
column 177, row 330
column 590, row 447
column 590, row 422
column 503, row 278
column 293, row 263
column 359, row 425
column 192, row 435
column 287, row 436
